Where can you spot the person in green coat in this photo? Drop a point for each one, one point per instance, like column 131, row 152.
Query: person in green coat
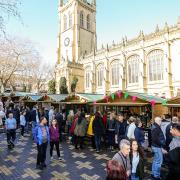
column 80, row 131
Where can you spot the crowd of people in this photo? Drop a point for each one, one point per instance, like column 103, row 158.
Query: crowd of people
column 108, row 130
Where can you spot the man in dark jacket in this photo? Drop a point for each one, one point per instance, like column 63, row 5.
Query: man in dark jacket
column 120, row 128
column 174, row 154
column 158, row 142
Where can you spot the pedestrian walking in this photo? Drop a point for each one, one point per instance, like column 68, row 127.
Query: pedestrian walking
column 41, row 137
column 11, row 126
column 54, row 138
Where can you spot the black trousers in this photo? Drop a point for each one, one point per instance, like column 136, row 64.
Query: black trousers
column 79, row 141
column 22, row 130
column 41, row 156
column 56, row 143
column 11, row 136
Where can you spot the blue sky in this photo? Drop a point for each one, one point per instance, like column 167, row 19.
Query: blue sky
column 115, row 18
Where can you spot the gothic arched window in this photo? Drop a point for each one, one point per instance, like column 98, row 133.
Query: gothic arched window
column 115, row 73
column 155, row 65
column 133, row 69
column 65, row 22
column 87, row 76
column 81, row 19
column 70, row 19
column 100, row 75
column 88, row 22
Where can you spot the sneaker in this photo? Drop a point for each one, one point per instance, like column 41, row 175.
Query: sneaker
column 60, row 158
column 51, row 157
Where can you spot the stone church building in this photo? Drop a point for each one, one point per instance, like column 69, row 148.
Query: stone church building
column 149, row 63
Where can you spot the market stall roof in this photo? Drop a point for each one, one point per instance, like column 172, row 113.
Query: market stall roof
column 32, row 97
column 147, row 97
column 174, row 102
column 125, row 98
column 57, row 97
column 82, row 98
column 16, row 94
column 91, row 97
column 52, row 98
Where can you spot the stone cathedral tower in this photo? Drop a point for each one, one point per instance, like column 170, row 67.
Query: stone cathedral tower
column 77, row 37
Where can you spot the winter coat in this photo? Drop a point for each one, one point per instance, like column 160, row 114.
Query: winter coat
column 80, row 129
column 131, row 129
column 90, row 128
column 120, row 128
column 111, row 125
column 140, row 167
column 158, row 139
column 54, row 133
column 33, row 115
column 139, row 135
column 59, row 118
column 98, row 127
column 38, row 134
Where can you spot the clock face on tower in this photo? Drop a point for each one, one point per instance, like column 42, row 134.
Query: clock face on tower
column 66, row 41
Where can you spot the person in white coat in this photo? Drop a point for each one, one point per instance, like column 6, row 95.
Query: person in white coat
column 131, row 128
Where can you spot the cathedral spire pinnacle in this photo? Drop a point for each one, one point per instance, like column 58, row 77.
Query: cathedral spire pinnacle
column 61, row 2
column 94, row 2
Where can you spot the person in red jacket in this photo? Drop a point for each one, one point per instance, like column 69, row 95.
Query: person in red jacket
column 54, row 138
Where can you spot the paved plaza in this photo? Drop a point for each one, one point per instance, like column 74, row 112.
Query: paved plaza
column 20, row 162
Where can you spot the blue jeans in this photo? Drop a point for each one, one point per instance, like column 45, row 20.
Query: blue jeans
column 98, row 141
column 157, row 161
column 133, row 177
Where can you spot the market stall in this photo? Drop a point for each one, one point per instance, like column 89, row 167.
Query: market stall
column 132, row 103
column 174, row 106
